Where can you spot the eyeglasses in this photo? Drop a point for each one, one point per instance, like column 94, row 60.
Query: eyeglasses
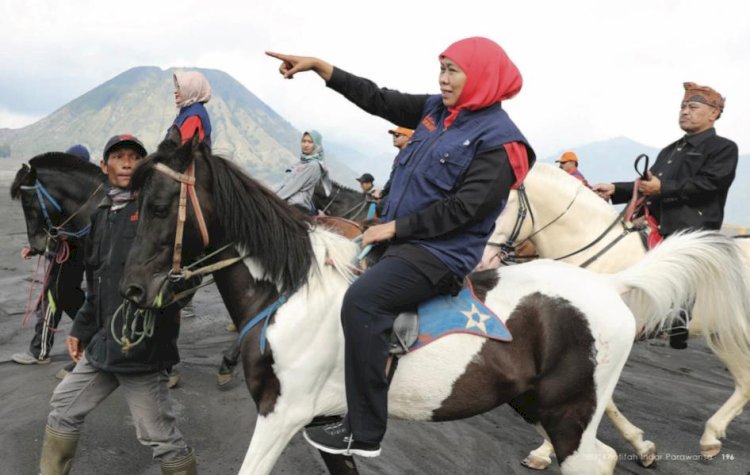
column 397, row 135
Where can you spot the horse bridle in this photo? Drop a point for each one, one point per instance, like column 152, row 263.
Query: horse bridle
column 354, row 210
column 187, row 187
column 524, row 209
column 178, row 273
column 330, row 202
column 51, row 230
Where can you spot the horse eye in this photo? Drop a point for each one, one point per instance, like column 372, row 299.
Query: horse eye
column 160, row 211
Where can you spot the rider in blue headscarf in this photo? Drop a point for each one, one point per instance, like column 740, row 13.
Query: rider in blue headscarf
column 299, row 183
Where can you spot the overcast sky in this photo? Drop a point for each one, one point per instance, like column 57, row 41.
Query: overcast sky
column 592, row 70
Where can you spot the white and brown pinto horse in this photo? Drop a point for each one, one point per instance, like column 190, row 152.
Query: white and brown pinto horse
column 566, row 221
column 561, row 368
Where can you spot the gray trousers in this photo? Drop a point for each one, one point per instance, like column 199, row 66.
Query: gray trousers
column 147, row 396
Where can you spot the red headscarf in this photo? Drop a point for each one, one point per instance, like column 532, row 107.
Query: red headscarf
column 490, row 74
column 491, row 77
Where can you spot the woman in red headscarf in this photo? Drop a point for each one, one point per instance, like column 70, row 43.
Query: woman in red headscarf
column 449, row 184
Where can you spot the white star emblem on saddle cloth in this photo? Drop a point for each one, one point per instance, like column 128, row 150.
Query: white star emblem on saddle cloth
column 476, row 319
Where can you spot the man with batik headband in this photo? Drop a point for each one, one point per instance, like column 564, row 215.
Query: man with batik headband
column 688, row 184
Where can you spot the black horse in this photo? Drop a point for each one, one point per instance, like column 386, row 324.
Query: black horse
column 59, row 193
column 343, row 202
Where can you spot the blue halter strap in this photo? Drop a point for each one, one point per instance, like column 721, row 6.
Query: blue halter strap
column 371, row 210
column 265, row 316
column 43, row 196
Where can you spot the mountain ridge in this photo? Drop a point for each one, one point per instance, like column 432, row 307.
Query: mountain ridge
column 140, row 101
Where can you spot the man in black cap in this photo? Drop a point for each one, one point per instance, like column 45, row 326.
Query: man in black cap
column 366, row 183
column 104, row 365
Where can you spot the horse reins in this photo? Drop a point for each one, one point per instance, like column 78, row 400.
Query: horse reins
column 624, row 217
column 354, row 210
column 524, row 209
column 187, row 187
column 330, row 202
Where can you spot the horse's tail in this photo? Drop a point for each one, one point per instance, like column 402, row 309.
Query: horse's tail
column 704, row 267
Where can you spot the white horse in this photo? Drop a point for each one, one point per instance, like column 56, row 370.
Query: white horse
column 567, row 221
column 572, row 330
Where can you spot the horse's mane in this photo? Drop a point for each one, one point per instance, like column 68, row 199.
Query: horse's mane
column 320, row 189
column 345, row 188
column 558, row 181
column 55, row 162
column 252, row 216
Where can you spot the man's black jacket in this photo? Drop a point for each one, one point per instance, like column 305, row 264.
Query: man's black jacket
column 107, row 248
column 695, row 173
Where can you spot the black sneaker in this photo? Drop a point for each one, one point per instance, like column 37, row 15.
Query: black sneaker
column 336, row 439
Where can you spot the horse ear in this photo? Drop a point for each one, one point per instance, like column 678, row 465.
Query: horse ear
column 32, row 172
column 174, row 135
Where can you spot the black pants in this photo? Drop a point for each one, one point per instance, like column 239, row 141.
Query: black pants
column 370, row 306
column 64, row 286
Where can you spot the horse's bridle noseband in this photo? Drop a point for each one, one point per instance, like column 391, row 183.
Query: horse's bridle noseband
column 187, row 187
column 54, row 232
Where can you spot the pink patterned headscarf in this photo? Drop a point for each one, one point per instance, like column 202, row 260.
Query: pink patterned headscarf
column 193, row 87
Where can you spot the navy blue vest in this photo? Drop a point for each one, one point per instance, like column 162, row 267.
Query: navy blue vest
column 432, row 166
column 196, row 109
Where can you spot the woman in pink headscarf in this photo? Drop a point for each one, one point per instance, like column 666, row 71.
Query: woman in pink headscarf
column 448, row 186
column 191, row 92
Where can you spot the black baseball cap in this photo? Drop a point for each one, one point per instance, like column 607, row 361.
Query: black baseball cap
column 119, row 141
column 366, row 177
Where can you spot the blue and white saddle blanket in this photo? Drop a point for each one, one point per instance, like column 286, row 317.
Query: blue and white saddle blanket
column 444, row 315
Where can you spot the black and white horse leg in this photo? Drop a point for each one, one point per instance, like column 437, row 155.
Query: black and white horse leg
column 634, row 435
column 229, row 360
column 527, row 406
column 541, row 457
column 572, row 430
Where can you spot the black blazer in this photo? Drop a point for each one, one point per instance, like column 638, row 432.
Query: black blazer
column 695, row 173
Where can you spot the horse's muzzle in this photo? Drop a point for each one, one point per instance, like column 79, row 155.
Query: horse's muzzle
column 136, row 294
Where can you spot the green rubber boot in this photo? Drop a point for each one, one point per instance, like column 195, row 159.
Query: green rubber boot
column 181, row 466
column 58, row 450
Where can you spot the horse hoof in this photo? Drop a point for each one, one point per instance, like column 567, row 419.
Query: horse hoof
column 535, row 462
column 224, row 379
column 174, row 378
column 710, row 451
column 647, row 456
